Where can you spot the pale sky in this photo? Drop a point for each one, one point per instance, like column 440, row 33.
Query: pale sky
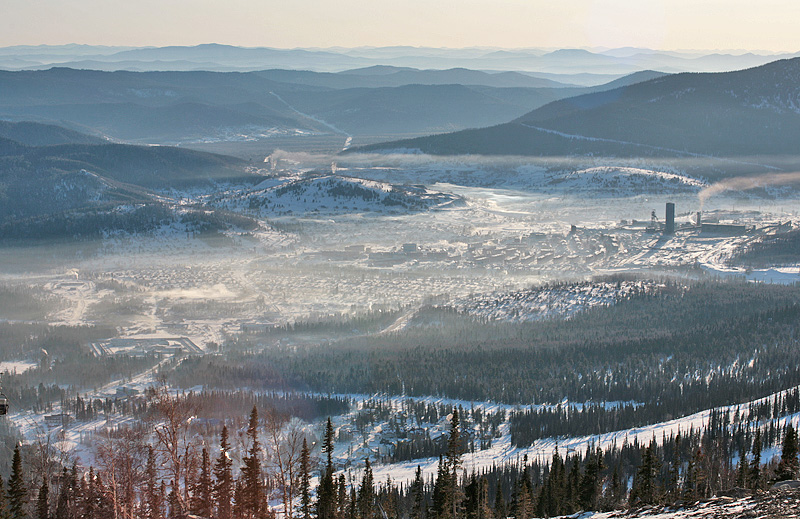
column 658, row 24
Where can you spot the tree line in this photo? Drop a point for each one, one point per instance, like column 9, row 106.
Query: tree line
column 268, row 468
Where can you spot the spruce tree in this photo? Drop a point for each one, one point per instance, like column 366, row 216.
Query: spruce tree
column 89, row 501
column 499, row 502
column 788, row 466
column 352, row 512
column 645, row 487
column 252, row 495
column 755, row 463
column 341, row 498
column 523, row 500
column 441, row 504
column 615, row 491
column 366, row 494
column 700, row 476
column 453, row 464
column 305, row 482
column 104, row 507
column 223, row 475
column 3, row 504
column 675, row 469
column 590, row 485
column 42, row 501
column 326, row 493
column 201, row 496
column 571, row 499
column 17, row 493
column 69, row 494
column 62, row 503
column 238, row 510
column 418, row 495
column 484, row 510
column 741, row 472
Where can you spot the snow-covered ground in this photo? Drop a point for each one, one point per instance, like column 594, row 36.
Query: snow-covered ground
column 16, row 366
column 333, row 194
column 479, row 236
column 502, row 451
column 467, row 234
column 559, row 301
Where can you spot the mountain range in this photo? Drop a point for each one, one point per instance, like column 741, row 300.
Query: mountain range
column 231, row 58
column 743, row 113
column 196, row 107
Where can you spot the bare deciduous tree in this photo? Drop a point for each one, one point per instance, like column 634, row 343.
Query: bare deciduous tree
column 286, row 444
column 122, row 454
column 171, row 432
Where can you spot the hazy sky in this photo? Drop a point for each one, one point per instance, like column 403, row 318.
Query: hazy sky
column 665, row 24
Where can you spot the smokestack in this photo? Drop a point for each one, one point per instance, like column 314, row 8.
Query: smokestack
column 669, row 228
column 698, row 219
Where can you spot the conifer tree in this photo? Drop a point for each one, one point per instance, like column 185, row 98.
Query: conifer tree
column 366, row 494
column 252, row 491
column 3, row 507
column 499, row 502
column 63, row 501
column 418, row 495
column 326, row 493
column 591, row 482
column 42, row 501
column 17, row 493
column 104, row 507
column 89, row 501
column 454, row 450
column 755, row 463
column 675, row 470
column 571, row 497
column 454, row 496
column 523, row 500
column 471, row 497
column 700, row 476
column 484, row 510
column 341, row 498
column 223, row 475
column 201, row 496
column 305, row 482
column 645, row 481
column 741, row 472
column 441, row 505
column 788, row 466
column 615, row 491
column 238, row 499
column 69, row 495
column 352, row 512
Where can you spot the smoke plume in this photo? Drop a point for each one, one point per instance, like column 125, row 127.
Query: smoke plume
column 751, row 182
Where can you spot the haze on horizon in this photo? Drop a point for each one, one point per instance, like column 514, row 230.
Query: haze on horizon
column 660, row 24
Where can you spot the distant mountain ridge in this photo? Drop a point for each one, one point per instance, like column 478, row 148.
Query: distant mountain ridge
column 197, row 107
column 749, row 112
column 229, row 58
column 37, row 134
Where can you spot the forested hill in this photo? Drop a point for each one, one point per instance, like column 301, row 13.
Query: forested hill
column 32, row 150
column 38, row 134
column 743, row 113
column 75, row 188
